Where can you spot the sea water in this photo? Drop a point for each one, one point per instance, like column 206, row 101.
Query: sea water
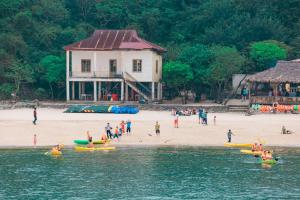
column 147, row 173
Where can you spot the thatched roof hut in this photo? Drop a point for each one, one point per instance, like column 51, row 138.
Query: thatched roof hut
column 284, row 71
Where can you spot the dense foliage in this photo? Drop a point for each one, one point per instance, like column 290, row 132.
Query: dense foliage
column 210, row 38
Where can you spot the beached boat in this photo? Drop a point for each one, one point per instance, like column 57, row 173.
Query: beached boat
column 250, row 152
column 238, row 145
column 86, row 142
column 79, row 148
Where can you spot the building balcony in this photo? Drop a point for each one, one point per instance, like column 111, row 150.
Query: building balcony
column 95, row 74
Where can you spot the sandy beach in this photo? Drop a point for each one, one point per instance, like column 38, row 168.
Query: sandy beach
column 54, row 126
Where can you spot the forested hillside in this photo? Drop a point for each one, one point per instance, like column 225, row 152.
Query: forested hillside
column 207, row 40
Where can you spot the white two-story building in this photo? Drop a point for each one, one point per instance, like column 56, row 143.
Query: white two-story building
column 114, row 65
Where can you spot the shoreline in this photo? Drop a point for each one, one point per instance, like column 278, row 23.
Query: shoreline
column 55, row 127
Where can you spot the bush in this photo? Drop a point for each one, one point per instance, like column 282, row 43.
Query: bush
column 41, row 93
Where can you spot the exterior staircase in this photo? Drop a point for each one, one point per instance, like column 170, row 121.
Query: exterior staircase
column 138, row 87
column 236, row 105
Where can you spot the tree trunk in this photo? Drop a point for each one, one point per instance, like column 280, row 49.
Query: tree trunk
column 51, row 89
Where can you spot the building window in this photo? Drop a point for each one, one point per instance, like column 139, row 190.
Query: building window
column 113, row 66
column 85, row 65
column 156, row 66
column 137, row 65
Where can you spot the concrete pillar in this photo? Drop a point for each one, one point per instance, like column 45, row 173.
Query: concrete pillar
column 83, row 87
column 126, row 92
column 153, row 91
column 95, row 91
column 161, row 91
column 73, row 90
column 95, row 64
column 79, row 90
column 68, row 75
column 122, row 90
column 158, row 91
column 99, row 90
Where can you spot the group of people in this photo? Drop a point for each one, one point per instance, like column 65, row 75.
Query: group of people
column 202, row 114
column 111, row 133
column 265, row 155
column 118, row 131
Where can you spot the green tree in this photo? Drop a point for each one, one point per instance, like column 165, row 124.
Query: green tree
column 19, row 73
column 177, row 76
column 54, row 68
column 265, row 54
column 227, row 61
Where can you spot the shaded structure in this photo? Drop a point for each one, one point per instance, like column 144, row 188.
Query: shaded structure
column 280, row 84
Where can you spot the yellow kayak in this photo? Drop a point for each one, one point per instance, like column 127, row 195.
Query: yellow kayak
column 250, row 152
column 238, row 145
column 54, row 153
column 78, row 148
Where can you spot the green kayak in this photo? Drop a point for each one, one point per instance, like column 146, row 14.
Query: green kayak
column 270, row 162
column 86, row 142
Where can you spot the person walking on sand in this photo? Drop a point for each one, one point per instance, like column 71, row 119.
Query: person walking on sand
column 229, row 134
column 204, row 116
column 128, row 126
column 215, row 120
column 34, row 116
column 108, row 131
column 157, row 128
column 176, row 118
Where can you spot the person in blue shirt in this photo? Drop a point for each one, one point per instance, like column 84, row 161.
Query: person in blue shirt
column 128, row 126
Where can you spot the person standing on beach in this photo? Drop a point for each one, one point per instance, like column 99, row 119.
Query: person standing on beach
column 215, row 120
column 108, row 131
column 200, row 115
column 34, row 116
column 128, row 128
column 204, row 116
column 34, row 140
column 229, row 134
column 122, row 126
column 176, row 121
column 157, row 128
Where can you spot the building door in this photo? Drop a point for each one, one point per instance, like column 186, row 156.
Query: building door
column 112, row 68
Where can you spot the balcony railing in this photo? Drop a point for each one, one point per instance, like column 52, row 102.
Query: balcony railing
column 273, row 99
column 95, row 74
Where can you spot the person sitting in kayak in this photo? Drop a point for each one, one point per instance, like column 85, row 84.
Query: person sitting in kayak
column 266, row 155
column 56, row 148
column 254, row 147
column 90, row 139
column 260, row 148
column 103, row 138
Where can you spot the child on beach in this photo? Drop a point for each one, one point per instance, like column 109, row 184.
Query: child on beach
column 122, row 126
column 34, row 116
column 116, row 134
column 128, row 128
column 229, row 134
column 34, row 140
column 176, row 121
column 157, row 128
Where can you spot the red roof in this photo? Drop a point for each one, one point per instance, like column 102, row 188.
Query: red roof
column 114, row 40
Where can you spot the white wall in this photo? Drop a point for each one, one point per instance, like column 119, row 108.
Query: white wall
column 124, row 63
